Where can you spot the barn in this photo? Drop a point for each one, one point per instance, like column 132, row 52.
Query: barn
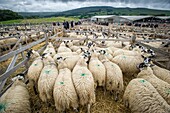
column 132, row 19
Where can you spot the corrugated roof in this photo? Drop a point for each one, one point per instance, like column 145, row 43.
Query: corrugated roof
column 104, row 16
column 133, row 18
column 163, row 17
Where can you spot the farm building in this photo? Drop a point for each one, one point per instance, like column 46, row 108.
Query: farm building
column 109, row 19
column 123, row 19
column 165, row 19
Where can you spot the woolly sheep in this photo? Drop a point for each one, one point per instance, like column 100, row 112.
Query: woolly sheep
column 50, row 49
column 47, row 78
column 70, row 61
column 161, row 73
column 114, row 77
column 65, row 54
column 16, row 98
column 35, row 69
column 75, row 48
column 63, row 48
column 161, row 86
column 64, row 92
column 141, row 97
column 84, row 83
column 134, row 52
column 97, row 69
column 128, row 64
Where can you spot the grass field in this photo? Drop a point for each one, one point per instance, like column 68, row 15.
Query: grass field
column 39, row 20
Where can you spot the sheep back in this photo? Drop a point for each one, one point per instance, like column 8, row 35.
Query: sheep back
column 141, row 97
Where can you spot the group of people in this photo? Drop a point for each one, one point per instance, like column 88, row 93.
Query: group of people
column 67, row 24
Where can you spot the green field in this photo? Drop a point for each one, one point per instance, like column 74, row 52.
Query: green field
column 39, row 20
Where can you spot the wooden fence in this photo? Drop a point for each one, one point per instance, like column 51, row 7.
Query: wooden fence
column 21, row 49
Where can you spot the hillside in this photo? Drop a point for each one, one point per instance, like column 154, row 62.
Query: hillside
column 101, row 10
column 9, row 15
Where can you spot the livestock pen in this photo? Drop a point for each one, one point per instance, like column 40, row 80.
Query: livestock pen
column 16, row 61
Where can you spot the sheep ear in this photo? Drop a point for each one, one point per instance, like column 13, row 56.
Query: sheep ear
column 142, row 56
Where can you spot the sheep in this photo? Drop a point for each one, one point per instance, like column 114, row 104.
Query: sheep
column 75, row 48
column 97, row 69
column 63, row 48
column 50, row 49
column 70, row 61
column 35, row 69
column 161, row 73
column 141, row 97
column 16, row 98
column 47, row 78
column 84, row 83
column 104, row 52
column 128, row 64
column 64, row 92
column 161, row 86
column 134, row 52
column 114, row 77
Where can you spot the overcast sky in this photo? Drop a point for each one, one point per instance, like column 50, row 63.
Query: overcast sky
column 62, row 5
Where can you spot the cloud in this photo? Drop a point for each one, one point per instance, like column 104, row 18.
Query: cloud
column 62, row 5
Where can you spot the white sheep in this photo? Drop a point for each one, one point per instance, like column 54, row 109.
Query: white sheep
column 141, row 97
column 16, row 98
column 71, row 61
column 97, row 69
column 128, row 64
column 84, row 83
column 65, row 54
column 134, row 52
column 35, row 69
column 63, row 48
column 47, row 78
column 114, row 77
column 161, row 73
column 50, row 49
column 161, row 86
column 64, row 92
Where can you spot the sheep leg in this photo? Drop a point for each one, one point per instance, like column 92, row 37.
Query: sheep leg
column 104, row 89
column 48, row 95
column 35, row 88
column 116, row 96
column 75, row 110
column 88, row 108
column 126, row 103
column 43, row 97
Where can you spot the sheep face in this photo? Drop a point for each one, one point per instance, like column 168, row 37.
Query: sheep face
column 18, row 77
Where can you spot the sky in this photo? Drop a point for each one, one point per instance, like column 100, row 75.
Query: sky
column 63, row 5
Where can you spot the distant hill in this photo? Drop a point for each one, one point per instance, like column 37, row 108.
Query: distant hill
column 36, row 14
column 87, row 12
column 9, row 15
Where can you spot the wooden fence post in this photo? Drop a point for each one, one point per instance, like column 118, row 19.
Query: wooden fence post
column 11, row 65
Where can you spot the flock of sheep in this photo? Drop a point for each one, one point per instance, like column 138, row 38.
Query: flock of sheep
column 70, row 74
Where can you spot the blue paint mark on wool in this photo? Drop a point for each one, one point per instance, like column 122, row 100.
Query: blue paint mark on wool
column 123, row 56
column 168, row 91
column 47, row 71
column 83, row 74
column 141, row 81
column 2, row 107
